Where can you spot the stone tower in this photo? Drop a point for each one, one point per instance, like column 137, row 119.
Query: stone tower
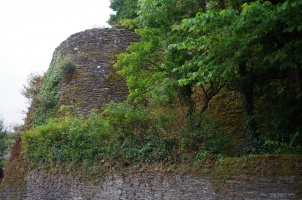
column 94, row 81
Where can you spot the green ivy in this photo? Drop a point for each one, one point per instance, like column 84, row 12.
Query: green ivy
column 49, row 95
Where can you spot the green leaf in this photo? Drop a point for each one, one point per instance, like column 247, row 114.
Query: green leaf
column 183, row 82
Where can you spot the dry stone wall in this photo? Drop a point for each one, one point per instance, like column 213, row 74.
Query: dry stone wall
column 160, row 186
column 44, row 185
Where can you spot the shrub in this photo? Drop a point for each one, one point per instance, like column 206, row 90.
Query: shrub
column 124, row 132
column 31, row 90
column 67, row 68
column 65, row 139
column 127, row 133
column 139, row 133
column 202, row 134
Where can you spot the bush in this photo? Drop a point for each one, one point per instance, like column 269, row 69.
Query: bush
column 139, row 133
column 31, row 90
column 67, row 68
column 202, row 134
column 126, row 133
column 65, row 139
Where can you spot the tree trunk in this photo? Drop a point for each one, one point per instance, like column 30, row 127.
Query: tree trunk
column 294, row 81
column 247, row 90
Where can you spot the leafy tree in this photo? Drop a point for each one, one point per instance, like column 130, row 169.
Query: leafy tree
column 125, row 9
column 149, row 63
column 257, row 47
column 251, row 47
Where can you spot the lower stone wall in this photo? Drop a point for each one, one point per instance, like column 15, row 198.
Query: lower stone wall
column 13, row 193
column 137, row 186
column 143, row 186
column 255, row 187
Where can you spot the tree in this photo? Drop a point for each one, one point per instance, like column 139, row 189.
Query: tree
column 256, row 47
column 148, row 64
column 125, row 9
column 251, row 47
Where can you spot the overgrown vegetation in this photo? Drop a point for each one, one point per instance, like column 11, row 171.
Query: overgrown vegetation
column 125, row 9
column 252, row 48
column 189, row 52
column 42, row 91
column 128, row 134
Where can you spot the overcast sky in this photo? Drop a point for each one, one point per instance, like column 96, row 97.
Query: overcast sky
column 30, row 32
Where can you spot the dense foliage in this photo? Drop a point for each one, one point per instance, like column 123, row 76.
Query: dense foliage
column 125, row 9
column 127, row 135
column 250, row 47
column 256, row 49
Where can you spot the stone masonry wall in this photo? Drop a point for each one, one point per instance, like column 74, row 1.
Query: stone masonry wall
column 158, row 186
column 43, row 185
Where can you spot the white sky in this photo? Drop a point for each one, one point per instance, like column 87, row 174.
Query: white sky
column 30, row 30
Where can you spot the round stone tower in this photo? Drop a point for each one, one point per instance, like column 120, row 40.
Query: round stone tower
column 94, row 82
